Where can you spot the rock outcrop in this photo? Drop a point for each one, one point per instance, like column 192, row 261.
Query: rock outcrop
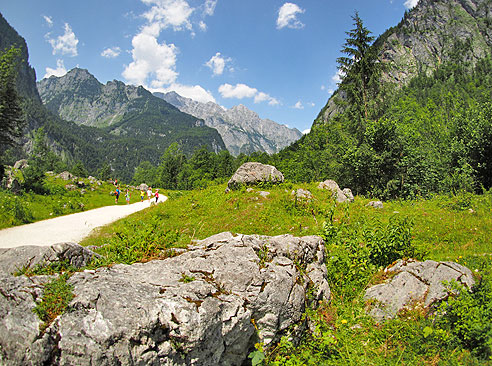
column 15, row 259
column 339, row 195
column 254, row 173
column 207, row 306
column 415, row 283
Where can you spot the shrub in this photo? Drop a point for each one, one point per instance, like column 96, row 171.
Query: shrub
column 467, row 317
column 357, row 249
column 57, row 294
column 15, row 210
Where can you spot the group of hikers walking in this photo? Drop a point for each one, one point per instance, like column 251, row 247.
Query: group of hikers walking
column 117, row 193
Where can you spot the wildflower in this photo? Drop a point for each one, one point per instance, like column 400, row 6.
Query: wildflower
column 344, row 321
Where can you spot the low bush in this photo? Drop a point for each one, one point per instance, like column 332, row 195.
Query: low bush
column 57, row 294
column 357, row 249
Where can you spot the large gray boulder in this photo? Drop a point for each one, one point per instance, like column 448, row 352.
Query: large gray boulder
column 415, row 283
column 15, row 259
column 254, row 173
column 207, row 306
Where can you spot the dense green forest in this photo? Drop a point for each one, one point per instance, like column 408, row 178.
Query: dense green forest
column 433, row 135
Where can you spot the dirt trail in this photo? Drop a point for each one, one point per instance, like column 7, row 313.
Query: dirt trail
column 69, row 228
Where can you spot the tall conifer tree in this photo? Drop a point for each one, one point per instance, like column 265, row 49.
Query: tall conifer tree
column 358, row 69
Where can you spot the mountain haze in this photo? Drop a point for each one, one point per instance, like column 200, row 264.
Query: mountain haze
column 242, row 130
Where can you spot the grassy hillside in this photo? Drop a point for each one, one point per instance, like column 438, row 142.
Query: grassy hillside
column 445, row 227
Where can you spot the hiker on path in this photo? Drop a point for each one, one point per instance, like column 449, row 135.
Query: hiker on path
column 142, row 195
column 149, row 193
column 127, row 196
column 117, row 194
column 156, row 195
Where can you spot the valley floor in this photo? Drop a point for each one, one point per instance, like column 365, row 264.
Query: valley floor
column 69, row 228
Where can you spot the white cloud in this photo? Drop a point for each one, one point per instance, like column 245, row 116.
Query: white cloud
column 409, row 4
column 151, row 59
column 240, row 91
column 306, row 131
column 287, row 16
column 154, row 63
column 59, row 71
column 209, row 7
column 111, row 52
column 217, row 63
column 262, row 97
column 202, row 26
column 195, row 92
column 337, row 78
column 167, row 14
column 65, row 44
column 48, row 20
column 298, row 105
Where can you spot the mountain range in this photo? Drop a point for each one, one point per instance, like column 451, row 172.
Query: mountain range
column 122, row 110
column 79, row 97
column 242, row 130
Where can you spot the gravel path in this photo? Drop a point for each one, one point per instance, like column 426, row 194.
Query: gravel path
column 69, row 228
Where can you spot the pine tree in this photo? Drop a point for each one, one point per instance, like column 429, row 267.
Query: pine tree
column 359, row 69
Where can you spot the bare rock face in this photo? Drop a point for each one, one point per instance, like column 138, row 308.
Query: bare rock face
column 415, row 283
column 254, row 173
column 207, row 306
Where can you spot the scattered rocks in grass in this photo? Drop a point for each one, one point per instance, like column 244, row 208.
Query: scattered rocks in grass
column 65, row 175
column 338, row 194
column 348, row 193
column 302, row 194
column 415, row 283
column 143, row 187
column 375, row 204
column 146, row 314
column 253, row 174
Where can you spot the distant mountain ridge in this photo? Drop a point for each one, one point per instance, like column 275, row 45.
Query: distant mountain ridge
column 242, row 130
column 124, row 110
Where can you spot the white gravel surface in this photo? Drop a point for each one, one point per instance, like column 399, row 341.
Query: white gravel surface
column 70, row 228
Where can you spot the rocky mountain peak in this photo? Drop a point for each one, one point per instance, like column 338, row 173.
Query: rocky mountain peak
column 242, row 129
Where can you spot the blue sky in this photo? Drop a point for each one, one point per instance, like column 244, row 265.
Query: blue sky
column 278, row 58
